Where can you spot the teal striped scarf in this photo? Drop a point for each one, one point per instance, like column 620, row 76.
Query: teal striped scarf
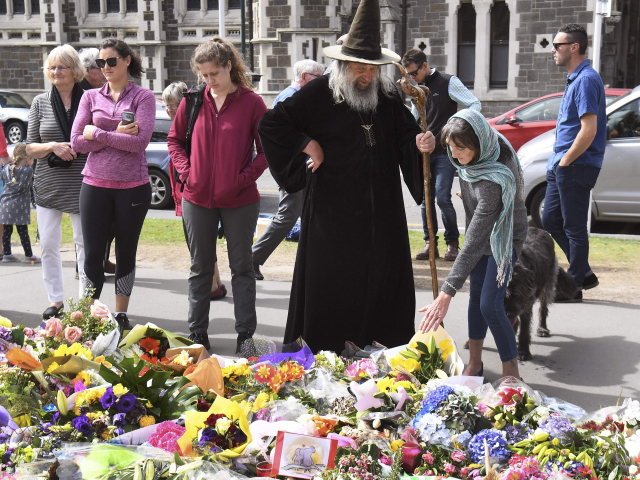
column 487, row 167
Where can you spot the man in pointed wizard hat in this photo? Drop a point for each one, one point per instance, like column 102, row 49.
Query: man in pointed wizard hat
column 353, row 278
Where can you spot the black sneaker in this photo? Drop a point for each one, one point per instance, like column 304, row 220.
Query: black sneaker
column 123, row 323
column 577, row 298
column 256, row 272
column 590, row 281
column 202, row 339
column 242, row 338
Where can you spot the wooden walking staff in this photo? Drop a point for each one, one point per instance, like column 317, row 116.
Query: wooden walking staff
column 418, row 94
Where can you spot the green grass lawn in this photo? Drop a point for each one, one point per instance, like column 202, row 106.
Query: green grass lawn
column 169, row 232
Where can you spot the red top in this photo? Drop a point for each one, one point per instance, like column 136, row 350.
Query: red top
column 222, row 171
column 3, row 145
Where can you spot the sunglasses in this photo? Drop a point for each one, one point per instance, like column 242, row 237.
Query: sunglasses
column 312, row 75
column 59, row 69
column 111, row 61
column 556, row 45
column 415, row 72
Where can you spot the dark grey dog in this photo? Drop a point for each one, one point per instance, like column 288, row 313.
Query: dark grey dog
column 536, row 276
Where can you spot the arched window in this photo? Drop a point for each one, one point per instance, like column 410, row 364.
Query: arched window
column 467, row 43
column 499, row 74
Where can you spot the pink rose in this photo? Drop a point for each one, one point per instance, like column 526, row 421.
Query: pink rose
column 427, row 457
column 77, row 315
column 99, row 311
column 53, row 327
column 449, row 468
column 458, row 457
column 29, row 332
column 72, row 334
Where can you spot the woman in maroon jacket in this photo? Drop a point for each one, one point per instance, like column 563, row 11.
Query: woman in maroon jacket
column 220, row 183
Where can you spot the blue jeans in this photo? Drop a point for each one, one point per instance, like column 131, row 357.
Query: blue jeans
column 565, row 215
column 486, row 308
column 442, row 171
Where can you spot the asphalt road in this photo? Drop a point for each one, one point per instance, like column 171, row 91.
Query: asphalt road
column 592, row 356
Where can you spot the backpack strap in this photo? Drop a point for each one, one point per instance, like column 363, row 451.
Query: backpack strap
column 194, row 98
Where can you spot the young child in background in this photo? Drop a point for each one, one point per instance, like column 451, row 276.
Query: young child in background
column 15, row 203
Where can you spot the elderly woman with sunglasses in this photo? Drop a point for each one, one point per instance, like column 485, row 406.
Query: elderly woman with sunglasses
column 116, row 180
column 58, row 174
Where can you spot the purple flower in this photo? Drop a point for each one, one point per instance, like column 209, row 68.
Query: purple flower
column 239, row 436
column 5, row 334
column 435, row 398
column 558, row 427
column 82, row 425
column 118, row 431
column 108, row 398
column 516, row 434
column 126, row 402
column 207, row 436
column 55, row 418
column 119, row 420
column 4, row 438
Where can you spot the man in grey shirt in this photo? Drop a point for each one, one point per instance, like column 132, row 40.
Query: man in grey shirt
column 290, row 206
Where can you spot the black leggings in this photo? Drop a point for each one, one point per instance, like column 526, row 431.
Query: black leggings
column 23, row 233
column 99, row 209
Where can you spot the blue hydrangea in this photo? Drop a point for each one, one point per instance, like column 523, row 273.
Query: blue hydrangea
column 495, row 441
column 517, row 434
column 435, row 398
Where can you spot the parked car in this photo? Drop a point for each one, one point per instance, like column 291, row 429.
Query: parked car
column 527, row 121
column 616, row 196
column 157, row 161
column 14, row 116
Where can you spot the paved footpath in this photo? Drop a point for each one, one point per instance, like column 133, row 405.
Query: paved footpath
column 593, row 355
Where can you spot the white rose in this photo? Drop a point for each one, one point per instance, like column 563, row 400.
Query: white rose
column 633, row 470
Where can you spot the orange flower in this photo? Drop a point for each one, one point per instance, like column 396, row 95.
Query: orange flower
column 297, row 371
column 276, row 381
column 285, row 371
column 264, row 373
column 149, row 359
column 189, row 370
column 323, row 425
column 150, row 345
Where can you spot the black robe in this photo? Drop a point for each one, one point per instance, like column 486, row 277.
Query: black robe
column 353, row 278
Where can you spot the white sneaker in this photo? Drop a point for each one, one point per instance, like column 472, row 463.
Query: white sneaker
column 9, row 258
column 33, row 260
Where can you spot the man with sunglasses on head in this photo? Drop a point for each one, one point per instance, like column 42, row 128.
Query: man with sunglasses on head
column 290, row 206
column 446, row 92
column 574, row 165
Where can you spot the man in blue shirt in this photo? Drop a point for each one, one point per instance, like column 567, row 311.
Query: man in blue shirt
column 290, row 206
column 574, row 165
column 445, row 93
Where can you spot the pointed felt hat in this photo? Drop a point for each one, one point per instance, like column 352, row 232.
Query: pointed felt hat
column 363, row 41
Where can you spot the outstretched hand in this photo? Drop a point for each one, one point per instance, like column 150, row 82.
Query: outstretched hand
column 435, row 313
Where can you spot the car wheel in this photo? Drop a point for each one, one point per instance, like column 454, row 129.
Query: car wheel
column 16, row 132
column 537, row 207
column 160, row 189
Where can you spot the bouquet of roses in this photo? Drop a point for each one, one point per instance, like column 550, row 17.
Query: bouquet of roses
column 89, row 324
column 218, row 434
column 441, row 461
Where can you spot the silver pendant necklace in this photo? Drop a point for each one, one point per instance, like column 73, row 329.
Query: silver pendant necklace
column 368, row 132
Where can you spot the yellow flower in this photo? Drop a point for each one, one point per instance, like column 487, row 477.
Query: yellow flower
column 446, row 347
column 245, row 406
column 228, row 372
column 183, row 359
column 76, row 409
column 84, row 377
column 5, row 322
column 105, row 435
column 61, row 351
column 147, row 420
column 149, row 404
column 103, row 361
column 395, row 361
column 405, row 384
column 52, row 367
column 74, row 349
column 385, row 384
column 93, row 415
column 241, row 369
column 119, row 390
column 411, row 365
column 260, row 402
column 396, row 444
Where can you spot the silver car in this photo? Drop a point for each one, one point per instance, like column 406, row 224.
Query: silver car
column 616, row 196
column 14, row 116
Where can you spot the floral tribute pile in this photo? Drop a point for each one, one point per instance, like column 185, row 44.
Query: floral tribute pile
column 77, row 400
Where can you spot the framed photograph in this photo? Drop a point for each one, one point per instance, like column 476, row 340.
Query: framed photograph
column 303, row 456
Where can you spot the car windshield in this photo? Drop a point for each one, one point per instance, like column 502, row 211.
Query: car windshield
column 12, row 100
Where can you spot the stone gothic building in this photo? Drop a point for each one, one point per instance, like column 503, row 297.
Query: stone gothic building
column 501, row 49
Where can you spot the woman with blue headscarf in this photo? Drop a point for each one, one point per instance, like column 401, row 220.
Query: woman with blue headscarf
column 491, row 184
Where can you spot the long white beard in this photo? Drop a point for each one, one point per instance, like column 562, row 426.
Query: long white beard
column 344, row 87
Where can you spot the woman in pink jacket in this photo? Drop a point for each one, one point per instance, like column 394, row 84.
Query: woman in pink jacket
column 116, row 180
column 220, row 183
